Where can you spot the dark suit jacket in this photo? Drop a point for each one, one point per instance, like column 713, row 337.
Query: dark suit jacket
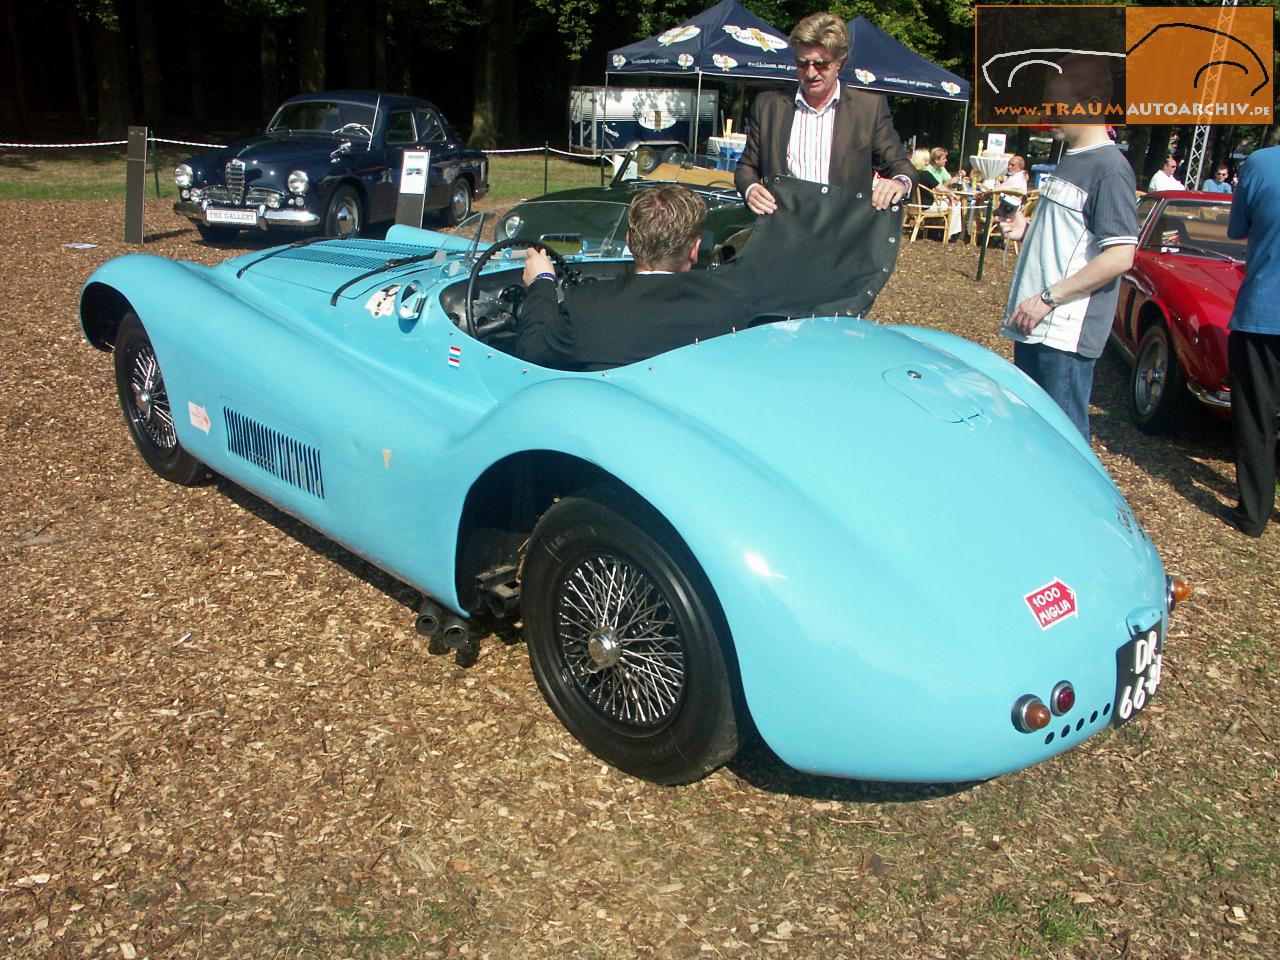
column 864, row 138
column 611, row 323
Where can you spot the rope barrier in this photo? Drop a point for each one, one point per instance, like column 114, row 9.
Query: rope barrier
column 63, row 146
column 218, row 146
column 187, row 143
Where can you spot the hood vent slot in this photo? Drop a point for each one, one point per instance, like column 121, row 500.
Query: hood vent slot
column 278, row 454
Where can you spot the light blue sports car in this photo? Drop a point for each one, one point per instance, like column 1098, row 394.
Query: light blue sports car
column 882, row 546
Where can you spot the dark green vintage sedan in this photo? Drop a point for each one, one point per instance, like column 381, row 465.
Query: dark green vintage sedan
column 594, row 219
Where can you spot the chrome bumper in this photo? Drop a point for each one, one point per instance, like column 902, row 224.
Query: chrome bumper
column 1208, row 397
column 266, row 217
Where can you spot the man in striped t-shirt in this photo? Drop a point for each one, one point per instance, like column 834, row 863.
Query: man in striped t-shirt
column 825, row 132
column 1080, row 242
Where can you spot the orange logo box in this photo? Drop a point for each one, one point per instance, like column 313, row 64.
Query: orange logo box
column 1199, row 65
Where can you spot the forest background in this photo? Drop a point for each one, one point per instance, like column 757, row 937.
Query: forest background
column 501, row 71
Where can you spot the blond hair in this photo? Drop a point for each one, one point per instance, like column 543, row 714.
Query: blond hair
column 822, row 30
column 662, row 225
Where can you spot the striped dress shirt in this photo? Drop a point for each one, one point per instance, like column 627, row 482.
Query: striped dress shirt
column 809, row 150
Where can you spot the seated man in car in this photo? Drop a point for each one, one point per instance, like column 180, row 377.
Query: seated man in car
column 657, row 307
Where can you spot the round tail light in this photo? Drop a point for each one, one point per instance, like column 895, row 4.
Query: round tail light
column 1062, row 699
column 1030, row 714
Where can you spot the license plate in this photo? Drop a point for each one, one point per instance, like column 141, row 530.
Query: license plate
column 1137, row 673
column 244, row 218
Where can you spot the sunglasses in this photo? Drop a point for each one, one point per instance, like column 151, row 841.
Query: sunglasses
column 820, row 65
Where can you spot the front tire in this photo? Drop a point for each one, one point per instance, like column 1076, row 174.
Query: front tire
column 1157, row 389
column 145, row 404
column 627, row 641
column 345, row 216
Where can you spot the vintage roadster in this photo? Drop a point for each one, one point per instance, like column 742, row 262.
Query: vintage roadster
column 883, row 546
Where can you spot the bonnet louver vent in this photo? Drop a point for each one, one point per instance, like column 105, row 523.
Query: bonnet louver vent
column 363, row 255
column 280, row 455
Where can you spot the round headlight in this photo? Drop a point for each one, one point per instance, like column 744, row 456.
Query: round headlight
column 298, row 182
column 182, row 175
column 511, row 226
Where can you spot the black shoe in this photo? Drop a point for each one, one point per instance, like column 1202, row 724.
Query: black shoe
column 1232, row 516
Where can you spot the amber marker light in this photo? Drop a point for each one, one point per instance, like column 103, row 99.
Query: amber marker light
column 1030, row 714
column 1177, row 590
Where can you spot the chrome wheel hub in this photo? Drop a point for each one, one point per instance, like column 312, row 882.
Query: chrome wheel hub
column 619, row 641
column 604, row 649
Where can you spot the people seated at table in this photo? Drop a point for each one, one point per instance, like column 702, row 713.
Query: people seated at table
column 1164, row 179
column 1015, row 177
column 1218, row 183
column 935, row 175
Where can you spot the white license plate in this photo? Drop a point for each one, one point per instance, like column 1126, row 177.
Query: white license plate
column 244, row 218
column 1137, row 673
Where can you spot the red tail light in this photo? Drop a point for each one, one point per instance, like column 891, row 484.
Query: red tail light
column 1062, row 699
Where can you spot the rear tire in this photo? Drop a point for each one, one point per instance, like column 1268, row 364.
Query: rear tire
column 627, row 641
column 345, row 216
column 1158, row 395
column 145, row 404
column 459, row 203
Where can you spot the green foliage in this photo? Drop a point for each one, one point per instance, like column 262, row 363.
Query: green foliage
column 574, row 20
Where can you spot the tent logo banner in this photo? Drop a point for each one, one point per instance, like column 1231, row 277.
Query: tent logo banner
column 678, row 35
column 755, row 37
column 1116, row 65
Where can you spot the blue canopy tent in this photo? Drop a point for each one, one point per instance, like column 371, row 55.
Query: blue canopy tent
column 879, row 62
column 726, row 40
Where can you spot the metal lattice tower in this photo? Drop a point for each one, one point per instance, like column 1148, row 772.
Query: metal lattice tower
column 1200, row 141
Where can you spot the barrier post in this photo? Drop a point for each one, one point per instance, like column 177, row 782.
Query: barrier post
column 155, row 170
column 135, row 184
column 546, row 166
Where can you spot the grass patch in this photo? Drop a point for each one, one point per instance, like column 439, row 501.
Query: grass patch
column 1062, row 923
column 98, row 173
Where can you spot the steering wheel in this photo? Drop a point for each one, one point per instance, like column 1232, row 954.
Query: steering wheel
column 354, row 127
column 469, row 308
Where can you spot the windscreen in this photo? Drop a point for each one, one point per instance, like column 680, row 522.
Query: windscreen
column 322, row 116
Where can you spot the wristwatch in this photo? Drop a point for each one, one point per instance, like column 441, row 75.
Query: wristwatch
column 1046, row 296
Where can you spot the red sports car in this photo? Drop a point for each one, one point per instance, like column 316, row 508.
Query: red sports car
column 1175, row 303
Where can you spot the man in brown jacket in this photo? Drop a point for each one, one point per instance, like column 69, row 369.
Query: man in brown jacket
column 824, row 132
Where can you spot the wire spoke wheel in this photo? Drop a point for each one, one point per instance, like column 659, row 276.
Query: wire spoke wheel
column 150, row 409
column 620, row 642
column 144, row 400
column 627, row 640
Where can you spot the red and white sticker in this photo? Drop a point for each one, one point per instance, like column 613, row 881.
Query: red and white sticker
column 199, row 416
column 455, row 356
column 1052, row 603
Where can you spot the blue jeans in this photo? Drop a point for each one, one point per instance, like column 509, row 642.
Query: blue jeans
column 1067, row 377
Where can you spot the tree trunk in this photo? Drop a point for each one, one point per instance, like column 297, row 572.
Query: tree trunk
column 509, row 106
column 83, row 109
column 355, row 47
column 492, row 63
column 144, row 25
column 311, row 47
column 113, row 84
column 15, row 107
column 381, row 27
column 270, row 66
column 1139, row 140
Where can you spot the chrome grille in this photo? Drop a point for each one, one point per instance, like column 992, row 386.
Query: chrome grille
column 254, row 196
column 280, row 455
column 235, row 180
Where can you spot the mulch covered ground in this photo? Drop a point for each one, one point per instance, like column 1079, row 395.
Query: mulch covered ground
column 219, row 738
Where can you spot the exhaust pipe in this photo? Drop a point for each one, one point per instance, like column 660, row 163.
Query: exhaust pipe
column 456, row 635
column 429, row 623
